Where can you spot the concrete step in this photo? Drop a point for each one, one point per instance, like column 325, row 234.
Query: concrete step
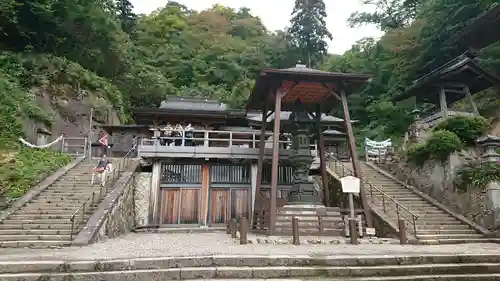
column 32, row 244
column 27, row 237
column 453, row 241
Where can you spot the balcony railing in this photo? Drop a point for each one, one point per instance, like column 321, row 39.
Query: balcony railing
column 219, row 139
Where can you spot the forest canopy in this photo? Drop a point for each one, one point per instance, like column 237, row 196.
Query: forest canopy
column 217, row 53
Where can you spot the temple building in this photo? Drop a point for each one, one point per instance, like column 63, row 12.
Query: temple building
column 207, row 174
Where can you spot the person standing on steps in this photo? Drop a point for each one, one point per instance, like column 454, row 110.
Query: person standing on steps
column 102, row 168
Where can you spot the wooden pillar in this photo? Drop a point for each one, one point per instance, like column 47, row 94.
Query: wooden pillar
column 321, row 151
column 442, row 102
column 471, row 100
column 354, row 157
column 260, row 161
column 275, row 163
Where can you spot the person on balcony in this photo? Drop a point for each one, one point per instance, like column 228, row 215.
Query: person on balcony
column 189, row 135
column 166, row 134
column 102, row 168
column 178, row 134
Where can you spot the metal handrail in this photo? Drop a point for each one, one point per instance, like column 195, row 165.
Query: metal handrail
column 384, row 196
column 121, row 165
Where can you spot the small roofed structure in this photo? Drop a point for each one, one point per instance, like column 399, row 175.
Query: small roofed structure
column 458, row 79
column 481, row 32
column 308, row 94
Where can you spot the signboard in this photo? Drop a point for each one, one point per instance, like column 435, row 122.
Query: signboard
column 370, row 231
column 350, row 184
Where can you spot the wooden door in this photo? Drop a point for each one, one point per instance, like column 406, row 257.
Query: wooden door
column 190, row 206
column 239, row 203
column 170, row 206
column 219, row 209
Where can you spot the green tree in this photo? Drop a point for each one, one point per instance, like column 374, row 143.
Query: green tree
column 128, row 18
column 308, row 30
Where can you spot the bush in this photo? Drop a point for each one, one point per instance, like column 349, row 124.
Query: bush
column 467, row 128
column 438, row 146
column 417, row 153
column 476, row 174
column 441, row 144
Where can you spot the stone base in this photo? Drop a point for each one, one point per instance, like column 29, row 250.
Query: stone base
column 309, row 219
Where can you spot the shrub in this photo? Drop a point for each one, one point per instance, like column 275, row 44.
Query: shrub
column 438, row 146
column 441, row 144
column 476, row 174
column 417, row 154
column 467, row 128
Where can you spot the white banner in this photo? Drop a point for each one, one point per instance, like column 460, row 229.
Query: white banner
column 23, row 141
column 376, row 149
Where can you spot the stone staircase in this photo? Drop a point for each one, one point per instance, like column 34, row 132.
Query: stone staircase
column 425, row 221
column 45, row 221
column 259, row 268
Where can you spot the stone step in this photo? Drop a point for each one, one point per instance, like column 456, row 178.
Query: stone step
column 32, row 244
column 429, row 271
column 27, row 237
column 440, row 226
column 453, row 241
column 34, row 232
column 446, row 231
column 448, row 236
column 34, row 221
column 64, row 226
column 47, row 212
column 42, row 217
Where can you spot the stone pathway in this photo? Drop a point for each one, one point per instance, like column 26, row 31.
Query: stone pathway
column 136, row 245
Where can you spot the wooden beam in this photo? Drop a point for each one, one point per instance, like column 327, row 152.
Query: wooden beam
column 275, row 160
column 321, row 150
column 354, row 157
column 331, row 92
column 471, row 101
column 443, row 103
column 260, row 161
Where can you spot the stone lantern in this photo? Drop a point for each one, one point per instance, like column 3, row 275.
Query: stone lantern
column 301, row 125
column 492, row 198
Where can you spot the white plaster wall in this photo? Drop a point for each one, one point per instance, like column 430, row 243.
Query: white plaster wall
column 142, row 195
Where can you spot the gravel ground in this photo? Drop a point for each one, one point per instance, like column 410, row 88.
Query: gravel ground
column 198, row 244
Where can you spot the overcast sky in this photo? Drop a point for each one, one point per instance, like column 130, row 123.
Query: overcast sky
column 275, row 14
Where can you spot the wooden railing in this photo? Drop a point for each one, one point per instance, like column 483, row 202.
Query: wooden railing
column 324, row 221
column 219, row 139
column 375, row 195
column 119, row 166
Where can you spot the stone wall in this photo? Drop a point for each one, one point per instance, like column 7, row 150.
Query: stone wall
column 120, row 219
column 142, row 193
column 115, row 214
column 436, row 179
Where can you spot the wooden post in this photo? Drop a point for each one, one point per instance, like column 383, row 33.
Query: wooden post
column 471, row 101
column 275, row 162
column 234, row 228
column 403, row 239
column 353, row 233
column 443, row 103
column 321, row 151
column 295, row 231
column 260, row 161
column 354, row 157
column 243, row 231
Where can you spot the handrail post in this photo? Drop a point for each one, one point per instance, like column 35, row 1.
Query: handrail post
column 383, row 203
column 230, row 139
column 414, row 226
